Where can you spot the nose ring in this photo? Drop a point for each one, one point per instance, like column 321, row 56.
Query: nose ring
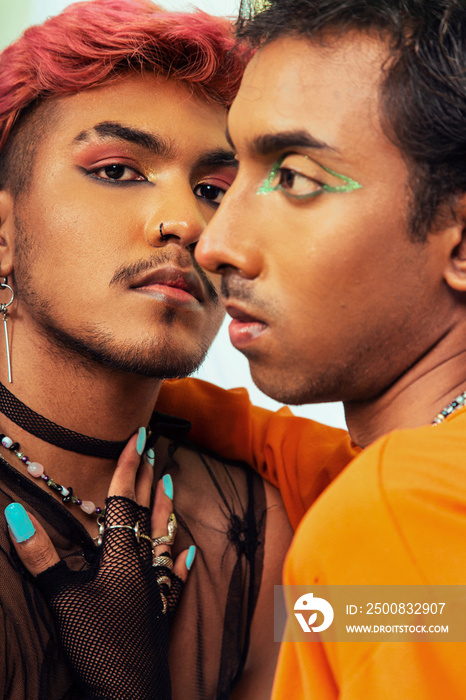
column 163, row 236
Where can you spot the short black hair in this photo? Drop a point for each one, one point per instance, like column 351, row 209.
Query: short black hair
column 423, row 91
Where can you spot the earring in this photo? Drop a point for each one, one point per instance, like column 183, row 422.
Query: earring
column 163, row 236
column 3, row 311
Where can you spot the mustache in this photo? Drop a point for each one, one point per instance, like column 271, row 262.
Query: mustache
column 241, row 289
column 234, row 286
column 127, row 273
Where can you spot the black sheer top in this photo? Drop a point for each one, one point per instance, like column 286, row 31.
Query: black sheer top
column 220, row 508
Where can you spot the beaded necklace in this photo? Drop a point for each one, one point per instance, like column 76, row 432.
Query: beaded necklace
column 37, row 471
column 456, row 403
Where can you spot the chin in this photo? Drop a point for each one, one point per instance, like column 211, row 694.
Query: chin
column 159, row 359
column 158, row 363
column 281, row 386
column 297, row 385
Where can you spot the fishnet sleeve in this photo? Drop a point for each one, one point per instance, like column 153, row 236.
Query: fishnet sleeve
column 110, row 618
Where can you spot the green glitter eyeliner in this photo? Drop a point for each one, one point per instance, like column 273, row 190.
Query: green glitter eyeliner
column 268, row 186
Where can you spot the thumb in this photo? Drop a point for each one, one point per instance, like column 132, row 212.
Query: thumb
column 30, row 540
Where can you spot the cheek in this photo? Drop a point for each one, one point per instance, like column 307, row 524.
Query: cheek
column 76, row 236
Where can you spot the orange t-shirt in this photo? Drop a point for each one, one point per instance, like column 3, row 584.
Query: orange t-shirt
column 299, row 456
column 396, row 515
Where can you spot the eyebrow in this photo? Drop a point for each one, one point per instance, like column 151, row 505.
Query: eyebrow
column 272, row 143
column 217, row 158
column 155, row 144
column 147, row 140
column 266, row 144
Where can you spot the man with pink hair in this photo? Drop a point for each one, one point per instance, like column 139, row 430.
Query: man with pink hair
column 112, row 160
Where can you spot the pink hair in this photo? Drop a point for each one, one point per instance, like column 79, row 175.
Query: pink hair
column 95, row 42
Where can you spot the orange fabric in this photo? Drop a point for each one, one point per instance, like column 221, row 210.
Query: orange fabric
column 395, row 515
column 299, row 456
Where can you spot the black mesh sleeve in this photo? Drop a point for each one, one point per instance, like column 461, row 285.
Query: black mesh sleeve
column 110, row 618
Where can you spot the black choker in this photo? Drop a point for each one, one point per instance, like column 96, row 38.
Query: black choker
column 46, row 430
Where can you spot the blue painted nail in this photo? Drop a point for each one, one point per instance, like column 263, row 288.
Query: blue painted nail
column 168, row 485
column 141, row 443
column 150, row 456
column 190, row 557
column 19, row 522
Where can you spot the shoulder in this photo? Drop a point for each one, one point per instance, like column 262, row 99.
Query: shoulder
column 395, row 515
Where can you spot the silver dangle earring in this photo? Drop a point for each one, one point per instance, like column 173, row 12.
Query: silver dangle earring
column 4, row 311
column 163, row 236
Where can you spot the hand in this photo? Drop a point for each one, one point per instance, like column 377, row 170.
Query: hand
column 111, row 618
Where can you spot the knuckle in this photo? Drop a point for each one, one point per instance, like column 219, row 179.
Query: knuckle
column 40, row 559
column 127, row 493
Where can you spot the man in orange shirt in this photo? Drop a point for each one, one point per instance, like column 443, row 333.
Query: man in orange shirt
column 343, row 254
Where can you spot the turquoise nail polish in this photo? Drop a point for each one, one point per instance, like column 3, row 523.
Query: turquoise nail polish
column 190, row 557
column 141, row 443
column 19, row 522
column 168, row 485
column 150, row 456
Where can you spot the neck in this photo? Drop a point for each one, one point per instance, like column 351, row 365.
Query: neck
column 413, row 400
column 79, row 395
column 88, row 400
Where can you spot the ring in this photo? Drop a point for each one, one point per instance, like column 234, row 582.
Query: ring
column 170, row 538
column 166, row 554
column 164, row 603
column 167, row 562
column 166, row 580
column 135, row 529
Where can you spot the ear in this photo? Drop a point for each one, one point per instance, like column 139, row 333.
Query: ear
column 7, row 233
column 455, row 239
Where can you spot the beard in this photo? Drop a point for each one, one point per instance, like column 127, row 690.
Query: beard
column 95, row 347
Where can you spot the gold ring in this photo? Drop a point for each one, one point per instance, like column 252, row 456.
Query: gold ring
column 163, row 561
column 170, row 538
column 164, row 602
column 166, row 580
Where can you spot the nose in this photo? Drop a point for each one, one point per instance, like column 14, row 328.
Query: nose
column 230, row 240
column 176, row 219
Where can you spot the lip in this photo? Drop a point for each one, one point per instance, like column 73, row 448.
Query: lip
column 244, row 328
column 173, row 285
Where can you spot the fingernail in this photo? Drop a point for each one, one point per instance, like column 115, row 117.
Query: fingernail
column 168, row 485
column 141, row 443
column 190, row 557
column 150, row 456
column 19, row 522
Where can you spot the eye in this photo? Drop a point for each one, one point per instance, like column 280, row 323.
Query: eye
column 296, row 184
column 117, row 172
column 287, row 176
column 212, row 193
column 300, row 177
